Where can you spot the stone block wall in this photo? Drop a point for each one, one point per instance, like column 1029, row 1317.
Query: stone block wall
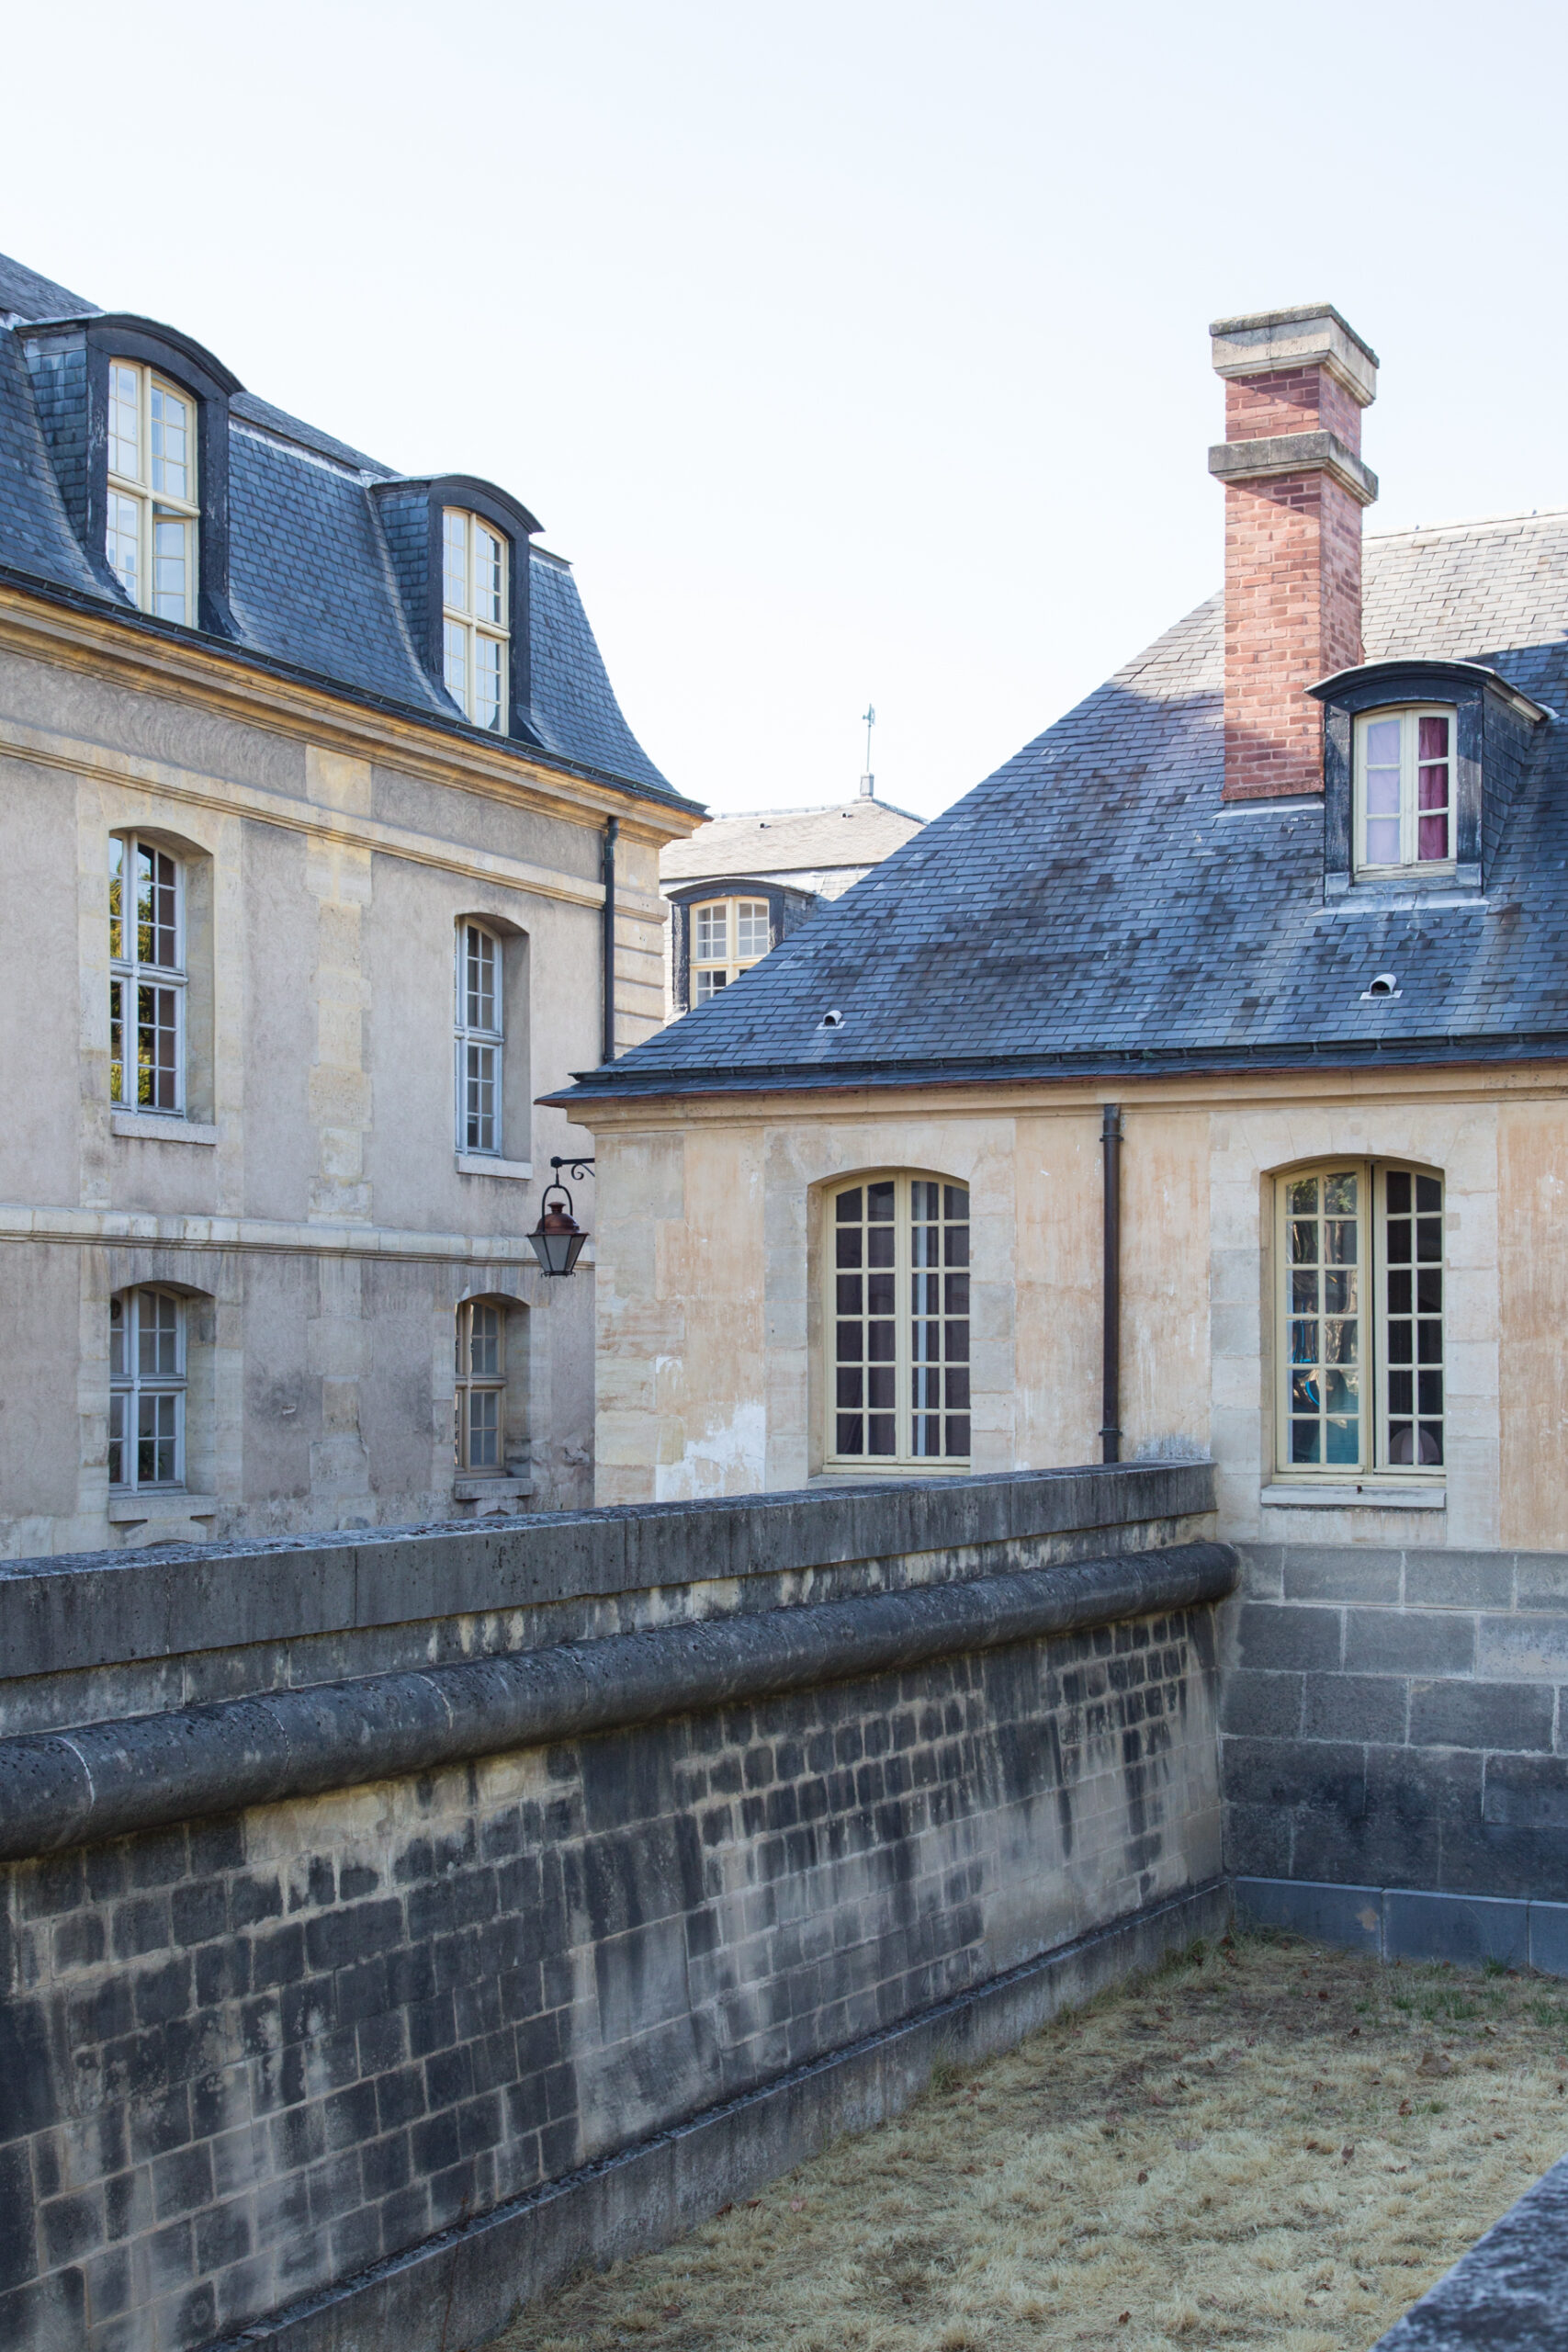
column 1395, row 1719
column 263, row 2063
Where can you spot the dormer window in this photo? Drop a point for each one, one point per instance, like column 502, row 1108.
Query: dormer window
column 475, row 614
column 1404, row 789
column 1421, row 761
column 729, row 935
column 152, row 516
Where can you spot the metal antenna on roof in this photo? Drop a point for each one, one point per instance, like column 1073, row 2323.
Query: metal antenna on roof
column 868, row 782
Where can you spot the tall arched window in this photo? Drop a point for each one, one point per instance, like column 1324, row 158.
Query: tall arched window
column 480, row 1038
column 1359, row 1251
column 147, row 1389
column 897, row 1310
column 151, row 518
column 475, row 617
column 479, row 1419
column 147, row 977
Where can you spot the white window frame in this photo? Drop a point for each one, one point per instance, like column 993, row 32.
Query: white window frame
column 904, row 1458
column 482, row 1384
column 132, row 1386
column 1380, row 1361
column 481, row 1052
column 130, row 976
column 154, row 506
column 469, row 619
column 1409, row 715
column 711, row 972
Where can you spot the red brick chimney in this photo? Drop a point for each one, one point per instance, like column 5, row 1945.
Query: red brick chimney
column 1296, row 382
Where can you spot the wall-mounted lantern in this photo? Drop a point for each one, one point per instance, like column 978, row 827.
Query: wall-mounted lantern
column 557, row 1240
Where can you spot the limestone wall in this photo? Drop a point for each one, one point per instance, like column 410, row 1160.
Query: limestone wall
column 711, row 1351
column 310, row 1204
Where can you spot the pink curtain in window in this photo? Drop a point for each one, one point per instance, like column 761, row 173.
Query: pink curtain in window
column 1432, row 790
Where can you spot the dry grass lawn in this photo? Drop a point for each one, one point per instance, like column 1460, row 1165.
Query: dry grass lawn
column 1266, row 2144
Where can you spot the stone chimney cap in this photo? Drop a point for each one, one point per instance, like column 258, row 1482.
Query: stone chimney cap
column 1313, row 336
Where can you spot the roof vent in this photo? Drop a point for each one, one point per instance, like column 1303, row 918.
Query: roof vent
column 1385, row 984
column 834, row 1020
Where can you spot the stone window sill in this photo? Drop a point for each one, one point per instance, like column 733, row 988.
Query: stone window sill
column 160, row 1503
column 482, row 1498
column 158, row 1126
column 484, row 1163
column 1369, row 1497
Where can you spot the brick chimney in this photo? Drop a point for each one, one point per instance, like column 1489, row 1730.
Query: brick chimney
column 1296, row 382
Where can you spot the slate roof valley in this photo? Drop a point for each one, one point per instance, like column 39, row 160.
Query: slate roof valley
column 312, row 588
column 1094, row 907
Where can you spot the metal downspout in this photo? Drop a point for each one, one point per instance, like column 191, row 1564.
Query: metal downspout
column 611, row 831
column 1111, row 1389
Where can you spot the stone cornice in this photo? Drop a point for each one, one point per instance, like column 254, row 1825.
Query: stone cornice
column 1003, row 1099
column 243, row 688
column 1295, row 453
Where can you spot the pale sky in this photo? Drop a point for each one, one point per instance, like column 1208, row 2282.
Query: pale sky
column 852, row 351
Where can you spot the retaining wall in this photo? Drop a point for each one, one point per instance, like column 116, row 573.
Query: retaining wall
column 391, row 1924
column 1396, row 1747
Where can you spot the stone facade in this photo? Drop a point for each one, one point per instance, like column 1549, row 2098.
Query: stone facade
column 311, row 1209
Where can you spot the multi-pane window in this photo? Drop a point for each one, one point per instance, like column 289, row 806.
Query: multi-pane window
column 479, row 1419
column 729, row 935
column 480, row 1038
column 898, row 1313
column 147, row 1389
column 147, row 978
column 1360, row 1251
column 1404, row 788
column 475, row 630
column 150, row 524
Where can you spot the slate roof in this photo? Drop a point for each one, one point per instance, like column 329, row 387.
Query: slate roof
column 1092, row 909
column 856, row 833
column 311, row 586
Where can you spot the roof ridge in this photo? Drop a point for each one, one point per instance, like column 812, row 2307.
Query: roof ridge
column 812, row 809
column 1476, row 522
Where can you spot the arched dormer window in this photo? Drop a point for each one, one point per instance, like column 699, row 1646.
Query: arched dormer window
column 897, row 1266
column 136, row 417
column 459, row 552
column 476, row 617
column 152, row 517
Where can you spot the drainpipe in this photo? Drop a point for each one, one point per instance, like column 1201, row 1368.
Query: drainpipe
column 1110, row 1392
column 611, row 830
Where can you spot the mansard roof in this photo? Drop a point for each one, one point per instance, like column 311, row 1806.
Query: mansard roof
column 312, row 588
column 1094, row 908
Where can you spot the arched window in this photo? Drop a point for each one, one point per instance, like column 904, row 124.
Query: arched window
column 480, row 1038
column 147, row 977
column 147, row 1389
column 729, row 935
column 1360, row 1251
column 475, row 617
column 479, row 1419
column 1404, row 788
column 897, row 1310
column 152, row 516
